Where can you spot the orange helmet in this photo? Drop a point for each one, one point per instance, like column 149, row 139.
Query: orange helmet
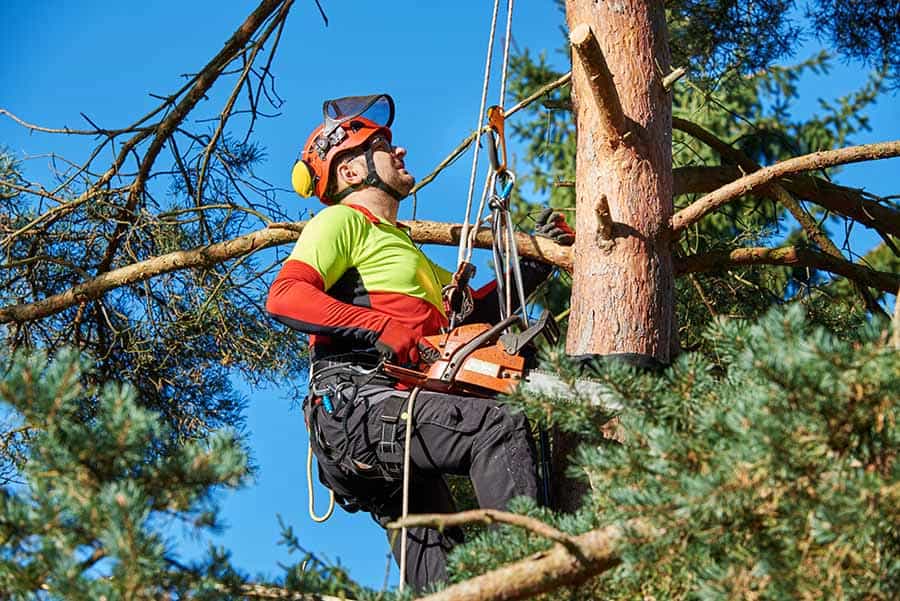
column 349, row 123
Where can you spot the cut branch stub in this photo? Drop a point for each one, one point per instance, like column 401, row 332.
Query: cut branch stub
column 604, row 224
column 601, row 81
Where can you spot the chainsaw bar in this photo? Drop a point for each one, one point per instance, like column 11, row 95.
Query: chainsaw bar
column 550, row 385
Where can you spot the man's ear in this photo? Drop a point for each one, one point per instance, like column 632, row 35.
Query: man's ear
column 350, row 172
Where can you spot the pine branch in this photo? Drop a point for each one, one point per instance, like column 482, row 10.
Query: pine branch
column 424, row 232
column 782, row 195
column 204, row 81
column 792, row 256
column 848, row 202
column 749, row 183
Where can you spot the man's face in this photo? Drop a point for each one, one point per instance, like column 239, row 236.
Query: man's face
column 390, row 166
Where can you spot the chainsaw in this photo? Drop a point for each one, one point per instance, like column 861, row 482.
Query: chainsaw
column 483, row 360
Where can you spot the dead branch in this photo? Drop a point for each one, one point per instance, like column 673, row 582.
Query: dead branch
column 487, row 516
column 205, row 79
column 749, row 183
column 670, row 79
column 790, row 256
column 848, row 202
column 600, row 80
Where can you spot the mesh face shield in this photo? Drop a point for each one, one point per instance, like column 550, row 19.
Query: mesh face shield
column 378, row 108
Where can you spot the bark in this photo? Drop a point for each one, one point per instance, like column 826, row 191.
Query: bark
column 622, row 295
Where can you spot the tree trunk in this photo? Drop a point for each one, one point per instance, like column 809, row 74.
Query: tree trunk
column 622, row 294
column 623, row 299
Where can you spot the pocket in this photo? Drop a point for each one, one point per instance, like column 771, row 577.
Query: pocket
column 465, row 415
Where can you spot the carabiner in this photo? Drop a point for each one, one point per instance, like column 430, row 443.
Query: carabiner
column 496, row 121
column 505, row 180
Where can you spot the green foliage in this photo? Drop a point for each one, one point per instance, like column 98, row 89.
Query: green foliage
column 753, row 112
column 768, row 469
column 87, row 519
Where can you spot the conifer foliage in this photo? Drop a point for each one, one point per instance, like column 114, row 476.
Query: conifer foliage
column 766, row 470
column 87, row 519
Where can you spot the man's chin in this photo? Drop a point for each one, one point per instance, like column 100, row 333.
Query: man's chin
column 408, row 184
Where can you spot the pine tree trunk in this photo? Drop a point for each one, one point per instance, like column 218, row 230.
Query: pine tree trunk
column 622, row 295
column 623, row 280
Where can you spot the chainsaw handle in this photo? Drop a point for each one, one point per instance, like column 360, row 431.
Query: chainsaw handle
column 455, row 361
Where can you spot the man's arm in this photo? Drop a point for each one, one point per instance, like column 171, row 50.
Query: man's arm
column 298, row 297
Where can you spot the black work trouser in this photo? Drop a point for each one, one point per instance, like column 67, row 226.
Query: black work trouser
column 360, row 447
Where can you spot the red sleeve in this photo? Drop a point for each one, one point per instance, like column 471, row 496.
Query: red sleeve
column 297, row 298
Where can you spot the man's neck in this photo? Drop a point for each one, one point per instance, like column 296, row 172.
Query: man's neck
column 376, row 202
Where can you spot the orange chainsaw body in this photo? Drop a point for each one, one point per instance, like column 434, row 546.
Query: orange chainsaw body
column 484, row 371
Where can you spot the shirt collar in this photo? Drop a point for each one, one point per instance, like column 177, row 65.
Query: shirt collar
column 372, row 217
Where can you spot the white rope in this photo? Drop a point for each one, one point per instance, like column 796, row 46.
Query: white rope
column 466, row 247
column 309, row 483
column 509, row 13
column 405, row 510
column 484, row 91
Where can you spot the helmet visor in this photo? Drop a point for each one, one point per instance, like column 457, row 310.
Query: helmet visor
column 378, row 108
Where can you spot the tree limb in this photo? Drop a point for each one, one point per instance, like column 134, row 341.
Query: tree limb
column 848, row 202
column 487, row 516
column 782, row 195
column 749, row 183
column 204, row 81
column 424, row 232
column 542, row 572
column 788, row 255
column 600, row 80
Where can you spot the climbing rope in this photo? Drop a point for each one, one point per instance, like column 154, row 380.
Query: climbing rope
column 405, row 509
column 484, row 91
column 309, row 484
column 464, row 254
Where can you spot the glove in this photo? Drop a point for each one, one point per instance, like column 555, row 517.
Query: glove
column 553, row 225
column 404, row 345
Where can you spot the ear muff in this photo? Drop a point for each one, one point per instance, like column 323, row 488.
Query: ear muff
column 302, row 179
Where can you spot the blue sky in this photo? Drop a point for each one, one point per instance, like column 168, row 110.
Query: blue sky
column 104, row 58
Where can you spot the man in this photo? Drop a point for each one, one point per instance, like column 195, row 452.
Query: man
column 361, row 289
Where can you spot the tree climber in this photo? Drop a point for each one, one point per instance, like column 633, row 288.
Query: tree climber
column 361, row 289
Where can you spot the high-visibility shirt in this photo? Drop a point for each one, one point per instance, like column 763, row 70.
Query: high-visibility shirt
column 349, row 273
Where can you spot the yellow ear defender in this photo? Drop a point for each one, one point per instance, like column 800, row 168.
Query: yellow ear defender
column 302, row 179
